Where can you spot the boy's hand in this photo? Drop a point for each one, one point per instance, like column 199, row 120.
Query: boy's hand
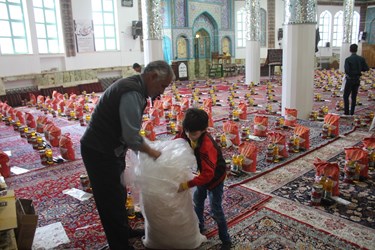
column 183, row 186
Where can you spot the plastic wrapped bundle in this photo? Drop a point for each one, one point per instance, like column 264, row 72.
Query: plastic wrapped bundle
column 171, row 222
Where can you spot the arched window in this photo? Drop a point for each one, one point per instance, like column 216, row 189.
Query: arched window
column 241, row 27
column 338, row 29
column 355, row 27
column 263, row 26
column 325, row 28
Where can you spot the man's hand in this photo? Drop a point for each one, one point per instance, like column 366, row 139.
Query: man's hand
column 154, row 153
column 183, row 186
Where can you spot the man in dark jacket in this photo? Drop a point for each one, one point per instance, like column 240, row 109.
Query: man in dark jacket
column 354, row 65
column 113, row 129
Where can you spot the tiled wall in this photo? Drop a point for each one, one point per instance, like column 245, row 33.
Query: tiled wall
column 63, row 78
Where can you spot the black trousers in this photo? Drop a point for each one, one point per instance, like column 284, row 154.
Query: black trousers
column 351, row 87
column 104, row 172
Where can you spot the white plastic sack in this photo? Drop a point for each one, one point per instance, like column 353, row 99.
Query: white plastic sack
column 128, row 178
column 170, row 219
column 343, row 83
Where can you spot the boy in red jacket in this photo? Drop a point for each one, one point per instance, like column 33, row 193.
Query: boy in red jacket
column 211, row 169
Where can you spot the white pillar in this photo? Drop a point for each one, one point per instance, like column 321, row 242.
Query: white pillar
column 252, row 71
column 153, row 50
column 152, row 30
column 344, row 53
column 298, row 56
column 252, row 62
column 347, row 34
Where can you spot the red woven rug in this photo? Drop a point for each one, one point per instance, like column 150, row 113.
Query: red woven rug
column 80, row 219
column 269, row 229
column 359, row 194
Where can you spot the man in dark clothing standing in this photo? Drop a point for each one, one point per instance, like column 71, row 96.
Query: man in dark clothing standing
column 137, row 68
column 354, row 65
column 113, row 129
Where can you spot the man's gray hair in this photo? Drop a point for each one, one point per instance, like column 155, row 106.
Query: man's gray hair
column 162, row 68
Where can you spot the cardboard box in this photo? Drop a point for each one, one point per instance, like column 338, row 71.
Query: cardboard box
column 8, row 240
column 27, row 221
column 8, row 218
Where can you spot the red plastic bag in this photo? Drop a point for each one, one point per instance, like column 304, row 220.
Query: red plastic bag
column 180, row 119
column 40, row 99
column 4, row 164
column 66, row 147
column 324, row 168
column 167, row 102
column 304, row 134
column 32, row 99
column 230, row 128
column 30, row 121
column 184, row 104
column 290, row 117
column 148, row 127
column 249, row 151
column 20, row 117
column 209, row 113
column 260, row 125
column 154, row 116
column 243, row 113
column 332, row 121
column 158, row 105
column 54, row 135
column 207, row 104
column 359, row 156
column 369, row 147
column 279, row 140
column 40, row 122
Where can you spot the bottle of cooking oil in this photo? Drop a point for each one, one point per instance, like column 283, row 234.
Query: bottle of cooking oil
column 328, row 188
column 130, row 206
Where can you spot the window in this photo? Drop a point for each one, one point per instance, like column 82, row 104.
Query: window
column 48, row 26
column 263, row 32
column 241, row 28
column 325, row 28
column 355, row 27
column 103, row 14
column 338, row 29
column 14, row 36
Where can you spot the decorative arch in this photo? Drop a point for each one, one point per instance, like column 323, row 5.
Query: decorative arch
column 202, row 44
column 226, row 46
column 325, row 20
column 182, row 45
column 205, row 22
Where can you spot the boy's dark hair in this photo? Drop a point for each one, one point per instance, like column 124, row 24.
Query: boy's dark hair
column 136, row 65
column 353, row 48
column 195, row 120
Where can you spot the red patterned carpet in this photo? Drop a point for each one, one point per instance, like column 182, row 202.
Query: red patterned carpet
column 262, row 229
column 80, row 219
column 361, row 195
column 269, row 229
